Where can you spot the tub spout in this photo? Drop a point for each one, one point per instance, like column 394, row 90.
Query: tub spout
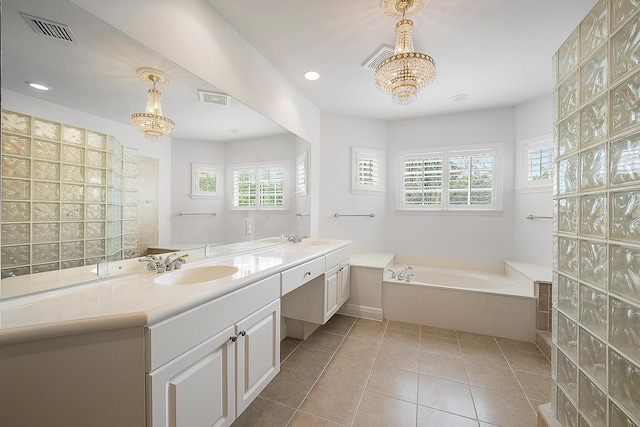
column 403, row 272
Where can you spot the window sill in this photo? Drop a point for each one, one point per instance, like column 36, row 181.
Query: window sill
column 461, row 212
column 369, row 192
column 535, row 189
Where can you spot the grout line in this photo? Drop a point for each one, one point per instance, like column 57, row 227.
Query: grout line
column 535, row 413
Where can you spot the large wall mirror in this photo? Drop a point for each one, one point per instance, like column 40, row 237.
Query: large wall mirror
column 63, row 198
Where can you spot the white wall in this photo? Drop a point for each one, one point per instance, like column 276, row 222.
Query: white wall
column 338, row 135
column 449, row 235
column 195, row 229
column 127, row 134
column 532, row 238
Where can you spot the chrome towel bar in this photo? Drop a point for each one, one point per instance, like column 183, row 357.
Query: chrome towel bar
column 538, row 217
column 337, row 215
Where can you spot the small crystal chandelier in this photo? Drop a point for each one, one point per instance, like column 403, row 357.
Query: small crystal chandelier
column 152, row 123
column 406, row 72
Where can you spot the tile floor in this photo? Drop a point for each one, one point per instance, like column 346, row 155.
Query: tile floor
column 358, row 372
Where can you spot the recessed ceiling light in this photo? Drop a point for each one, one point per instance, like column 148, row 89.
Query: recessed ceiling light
column 39, row 86
column 459, row 98
column 234, row 130
column 311, row 75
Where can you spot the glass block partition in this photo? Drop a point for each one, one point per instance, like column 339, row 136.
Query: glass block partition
column 596, row 261
column 67, row 195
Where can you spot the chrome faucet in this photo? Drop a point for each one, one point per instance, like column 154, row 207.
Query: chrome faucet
column 403, row 272
column 156, row 263
column 295, row 238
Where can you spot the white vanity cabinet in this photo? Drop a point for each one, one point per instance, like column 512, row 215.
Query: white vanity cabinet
column 211, row 383
column 318, row 299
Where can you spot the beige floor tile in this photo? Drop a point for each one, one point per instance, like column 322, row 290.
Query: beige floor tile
column 443, row 366
column 307, row 360
column 324, row 341
column 439, row 345
column 400, row 358
column 370, row 330
column 407, row 340
column 289, row 387
column 339, row 324
column 348, row 370
column 476, row 338
column 439, row 332
column 404, row 326
column 493, row 377
column 384, row 411
column 536, row 387
column 302, row 419
column 445, row 395
column 359, row 349
column 482, row 353
column 508, row 344
column 286, row 348
column 264, row 413
column 333, row 401
column 429, row 417
column 528, row 362
column 503, row 409
column 393, row 382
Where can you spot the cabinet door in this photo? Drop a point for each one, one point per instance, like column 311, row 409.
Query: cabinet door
column 258, row 353
column 331, row 292
column 197, row 388
column 345, row 283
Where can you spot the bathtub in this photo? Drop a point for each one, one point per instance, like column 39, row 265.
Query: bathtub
column 470, row 296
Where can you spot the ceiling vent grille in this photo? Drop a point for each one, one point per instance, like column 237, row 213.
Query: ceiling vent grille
column 213, row 98
column 50, row 28
column 383, row 53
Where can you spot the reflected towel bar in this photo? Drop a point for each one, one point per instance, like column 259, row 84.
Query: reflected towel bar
column 369, row 215
column 538, row 217
column 197, row 214
column 301, row 214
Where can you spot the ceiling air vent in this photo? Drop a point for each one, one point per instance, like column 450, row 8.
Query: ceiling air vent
column 49, row 28
column 213, row 98
column 382, row 54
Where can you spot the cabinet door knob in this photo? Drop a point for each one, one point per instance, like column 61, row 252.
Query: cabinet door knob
column 243, row 333
column 233, row 338
column 308, row 273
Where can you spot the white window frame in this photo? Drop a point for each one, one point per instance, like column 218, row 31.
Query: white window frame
column 446, row 153
column 284, row 165
column 523, row 184
column 196, row 169
column 302, row 174
column 376, row 157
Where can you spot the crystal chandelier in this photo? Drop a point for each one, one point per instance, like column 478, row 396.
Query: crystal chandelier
column 152, row 123
column 406, row 72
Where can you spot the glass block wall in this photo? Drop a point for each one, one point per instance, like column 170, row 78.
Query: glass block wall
column 67, row 195
column 596, row 280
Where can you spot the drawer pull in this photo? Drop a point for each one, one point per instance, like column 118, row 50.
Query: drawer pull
column 233, row 338
column 243, row 333
column 308, row 273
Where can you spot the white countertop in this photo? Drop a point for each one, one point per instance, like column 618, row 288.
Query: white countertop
column 136, row 300
column 535, row 272
column 375, row 260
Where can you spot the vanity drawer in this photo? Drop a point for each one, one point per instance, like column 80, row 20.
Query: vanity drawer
column 336, row 257
column 170, row 338
column 298, row 276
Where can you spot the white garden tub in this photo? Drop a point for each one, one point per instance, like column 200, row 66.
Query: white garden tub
column 471, row 296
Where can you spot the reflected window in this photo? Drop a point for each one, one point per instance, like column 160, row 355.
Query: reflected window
column 206, row 180
column 259, row 187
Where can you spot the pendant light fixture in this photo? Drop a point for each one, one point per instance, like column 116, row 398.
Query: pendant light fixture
column 152, row 123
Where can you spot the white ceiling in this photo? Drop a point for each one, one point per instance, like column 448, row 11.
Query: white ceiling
column 498, row 52
column 98, row 75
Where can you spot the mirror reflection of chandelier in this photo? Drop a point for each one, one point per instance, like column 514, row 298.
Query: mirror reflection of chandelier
column 406, row 72
column 152, row 123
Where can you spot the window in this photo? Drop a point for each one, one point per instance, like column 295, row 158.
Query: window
column 259, row 187
column 535, row 164
column 301, row 174
column 206, row 180
column 367, row 171
column 464, row 179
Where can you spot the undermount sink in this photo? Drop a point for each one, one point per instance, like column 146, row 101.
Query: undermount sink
column 191, row 276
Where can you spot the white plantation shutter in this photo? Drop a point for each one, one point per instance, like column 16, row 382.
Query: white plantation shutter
column 259, row 187
column 301, row 174
column 449, row 179
column 367, row 170
column 539, row 165
column 271, row 186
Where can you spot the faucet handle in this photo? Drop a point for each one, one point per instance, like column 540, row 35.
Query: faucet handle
column 408, row 277
column 393, row 273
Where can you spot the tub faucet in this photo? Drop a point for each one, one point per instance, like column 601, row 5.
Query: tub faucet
column 404, row 271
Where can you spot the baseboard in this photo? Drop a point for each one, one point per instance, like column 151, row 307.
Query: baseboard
column 365, row 312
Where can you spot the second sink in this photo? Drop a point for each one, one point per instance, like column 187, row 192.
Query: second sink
column 195, row 275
